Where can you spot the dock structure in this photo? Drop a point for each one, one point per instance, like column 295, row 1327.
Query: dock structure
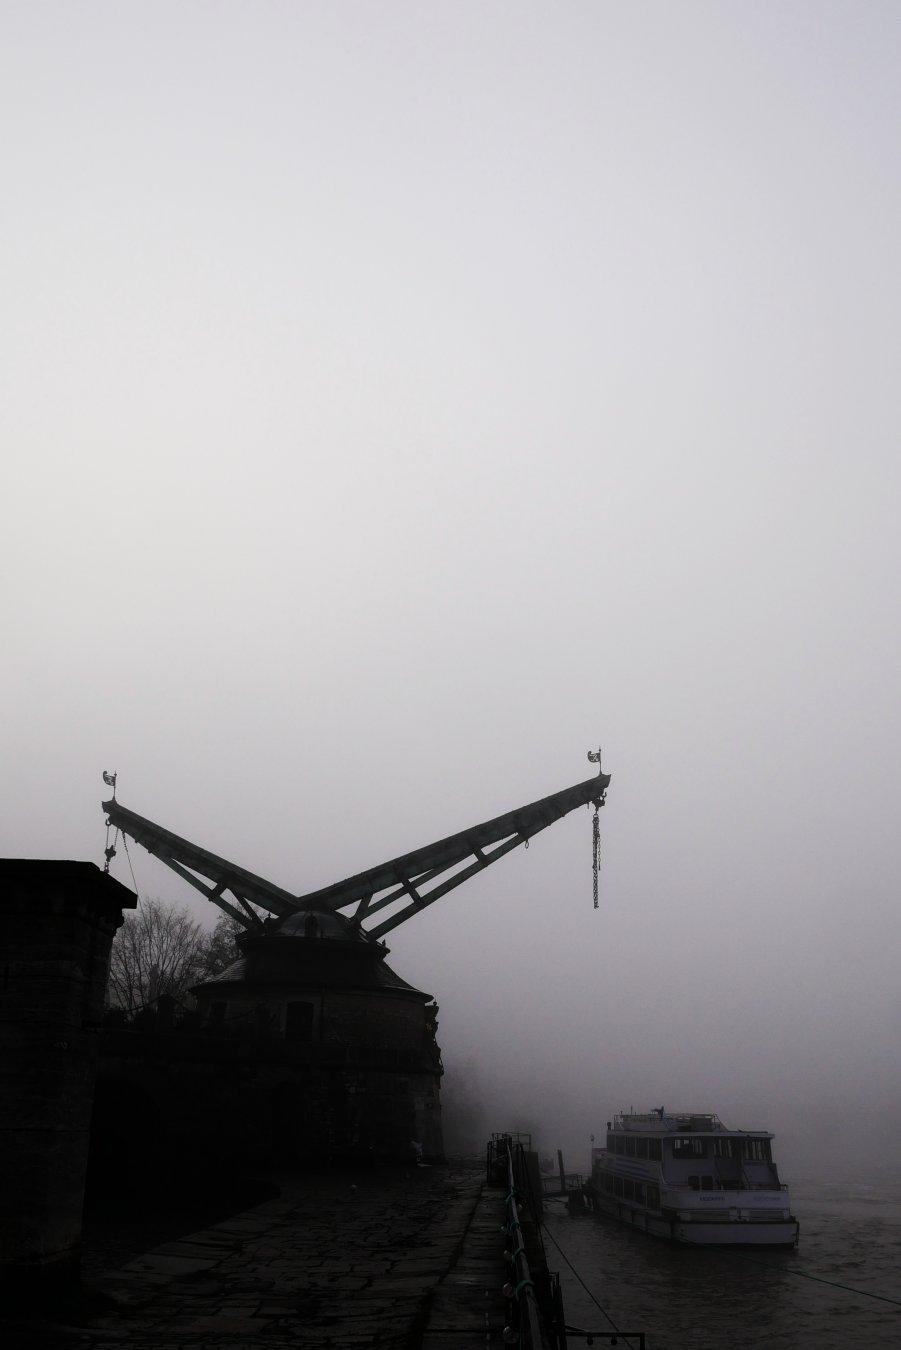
column 412, row 1258
column 560, row 1182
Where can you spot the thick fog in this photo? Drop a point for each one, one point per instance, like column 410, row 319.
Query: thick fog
column 401, row 400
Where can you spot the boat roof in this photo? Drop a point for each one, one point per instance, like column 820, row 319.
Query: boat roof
column 661, row 1121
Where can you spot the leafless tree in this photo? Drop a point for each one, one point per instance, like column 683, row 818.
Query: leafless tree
column 159, row 950
column 221, row 948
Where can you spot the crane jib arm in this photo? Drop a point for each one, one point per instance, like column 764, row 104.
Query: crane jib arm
column 418, row 878
column 417, row 875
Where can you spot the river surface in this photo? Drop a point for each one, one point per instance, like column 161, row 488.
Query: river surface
column 687, row 1299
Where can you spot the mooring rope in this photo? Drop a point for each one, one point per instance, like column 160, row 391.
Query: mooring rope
column 594, row 1300
column 804, row 1275
column 768, row 1265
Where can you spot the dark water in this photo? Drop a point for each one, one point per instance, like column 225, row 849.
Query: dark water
column 748, row 1300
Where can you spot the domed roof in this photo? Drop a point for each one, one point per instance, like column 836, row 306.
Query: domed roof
column 312, row 946
column 334, row 927
column 379, row 976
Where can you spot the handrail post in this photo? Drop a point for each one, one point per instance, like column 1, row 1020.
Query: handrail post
column 524, row 1290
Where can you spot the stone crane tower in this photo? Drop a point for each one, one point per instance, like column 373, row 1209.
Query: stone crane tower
column 341, row 1052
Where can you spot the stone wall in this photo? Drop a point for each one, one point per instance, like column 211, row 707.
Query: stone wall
column 57, row 921
column 220, row 1097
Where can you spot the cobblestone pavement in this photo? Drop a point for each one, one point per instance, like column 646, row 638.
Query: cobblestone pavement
column 332, row 1262
column 467, row 1307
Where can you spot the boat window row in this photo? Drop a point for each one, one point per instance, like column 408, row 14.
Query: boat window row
column 743, row 1150
column 624, row 1188
column 686, row 1147
column 634, row 1146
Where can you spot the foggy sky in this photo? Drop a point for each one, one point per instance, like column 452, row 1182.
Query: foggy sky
column 400, row 400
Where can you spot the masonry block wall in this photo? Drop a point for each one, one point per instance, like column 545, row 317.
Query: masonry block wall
column 57, row 920
column 194, row 1100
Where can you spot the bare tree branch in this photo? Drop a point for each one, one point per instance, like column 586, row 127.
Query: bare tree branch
column 159, row 950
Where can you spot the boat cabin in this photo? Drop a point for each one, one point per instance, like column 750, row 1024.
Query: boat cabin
column 694, row 1151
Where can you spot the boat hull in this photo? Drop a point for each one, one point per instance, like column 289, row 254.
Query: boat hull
column 697, row 1233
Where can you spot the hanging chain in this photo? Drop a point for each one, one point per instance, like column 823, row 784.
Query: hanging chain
column 595, row 852
column 110, row 851
column 595, row 758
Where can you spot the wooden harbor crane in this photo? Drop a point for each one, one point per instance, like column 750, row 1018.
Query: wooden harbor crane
column 340, row 1052
column 415, row 879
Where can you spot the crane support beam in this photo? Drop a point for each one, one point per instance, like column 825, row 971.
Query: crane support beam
column 480, row 863
column 213, row 893
column 180, row 854
column 369, row 905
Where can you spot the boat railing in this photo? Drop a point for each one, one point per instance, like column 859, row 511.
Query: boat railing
column 670, row 1120
column 729, row 1187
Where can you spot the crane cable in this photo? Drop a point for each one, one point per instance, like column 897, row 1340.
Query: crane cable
column 128, row 856
column 109, row 851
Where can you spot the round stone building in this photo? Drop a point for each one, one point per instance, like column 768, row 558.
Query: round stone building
column 350, row 1049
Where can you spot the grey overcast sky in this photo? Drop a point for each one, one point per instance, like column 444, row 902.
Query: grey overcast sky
column 400, row 399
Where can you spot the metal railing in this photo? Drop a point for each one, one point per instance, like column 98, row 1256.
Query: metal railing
column 523, row 1292
column 536, row 1317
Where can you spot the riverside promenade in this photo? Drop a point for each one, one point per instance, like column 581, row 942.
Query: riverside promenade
column 411, row 1260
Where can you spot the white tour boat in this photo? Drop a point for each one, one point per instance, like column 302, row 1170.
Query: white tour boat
column 684, row 1176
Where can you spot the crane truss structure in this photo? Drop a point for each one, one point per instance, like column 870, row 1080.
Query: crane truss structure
column 415, row 879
